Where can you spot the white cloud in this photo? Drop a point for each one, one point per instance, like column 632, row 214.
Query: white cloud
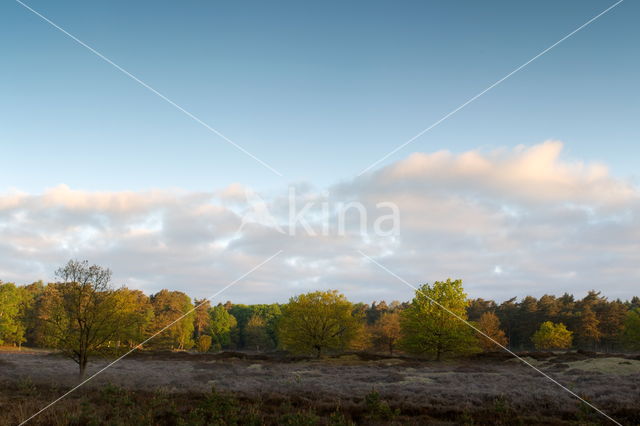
column 508, row 222
column 527, row 174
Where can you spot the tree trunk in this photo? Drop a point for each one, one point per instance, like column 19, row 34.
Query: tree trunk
column 82, row 364
column 319, row 352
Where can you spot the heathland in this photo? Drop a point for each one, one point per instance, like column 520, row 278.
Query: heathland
column 319, row 359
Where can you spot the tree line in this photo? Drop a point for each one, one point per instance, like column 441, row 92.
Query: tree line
column 82, row 314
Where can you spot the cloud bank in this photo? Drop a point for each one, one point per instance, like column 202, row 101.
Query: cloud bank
column 508, row 222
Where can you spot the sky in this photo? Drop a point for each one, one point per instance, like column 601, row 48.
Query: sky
column 530, row 189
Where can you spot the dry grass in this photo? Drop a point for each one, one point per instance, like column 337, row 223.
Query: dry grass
column 484, row 390
column 612, row 366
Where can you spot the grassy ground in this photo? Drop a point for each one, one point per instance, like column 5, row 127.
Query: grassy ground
column 176, row 389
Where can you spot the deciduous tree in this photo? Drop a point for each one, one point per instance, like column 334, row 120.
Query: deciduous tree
column 386, row 331
column 222, row 326
column 490, row 325
column 317, row 322
column 204, row 343
column 170, row 307
column 429, row 329
column 631, row 335
column 30, row 300
column 552, row 336
column 82, row 313
column 256, row 336
column 12, row 329
column 137, row 311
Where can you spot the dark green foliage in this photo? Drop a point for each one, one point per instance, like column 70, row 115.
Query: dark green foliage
column 217, row 409
column 337, row 418
column 597, row 323
column 245, row 336
column 377, row 408
column 299, row 418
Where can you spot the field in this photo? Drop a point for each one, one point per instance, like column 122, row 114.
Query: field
column 176, row 388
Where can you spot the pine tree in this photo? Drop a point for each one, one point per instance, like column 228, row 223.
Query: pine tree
column 588, row 331
column 201, row 318
column 612, row 318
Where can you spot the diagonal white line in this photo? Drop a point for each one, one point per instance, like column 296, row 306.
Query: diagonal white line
column 139, row 345
column 384, row 268
column 145, row 85
column 398, row 148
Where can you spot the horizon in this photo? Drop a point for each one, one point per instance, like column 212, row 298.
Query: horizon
column 498, row 302
column 530, row 189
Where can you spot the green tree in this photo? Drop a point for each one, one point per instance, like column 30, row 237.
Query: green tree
column 319, row 321
column 428, row 329
column 631, row 334
column 489, row 324
column 30, row 300
column 270, row 314
column 256, row 336
column 552, row 336
column 242, row 314
column 12, row 329
column 222, row 326
column 170, row 306
column 138, row 313
column 82, row 313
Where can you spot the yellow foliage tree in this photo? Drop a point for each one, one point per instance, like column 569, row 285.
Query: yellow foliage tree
column 386, row 331
column 82, row 314
column 552, row 336
column 430, row 329
column 316, row 322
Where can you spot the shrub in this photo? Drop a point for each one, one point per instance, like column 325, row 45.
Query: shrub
column 377, row 408
column 299, row 418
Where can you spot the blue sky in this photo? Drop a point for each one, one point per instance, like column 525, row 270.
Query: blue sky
column 319, row 91
column 508, row 194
